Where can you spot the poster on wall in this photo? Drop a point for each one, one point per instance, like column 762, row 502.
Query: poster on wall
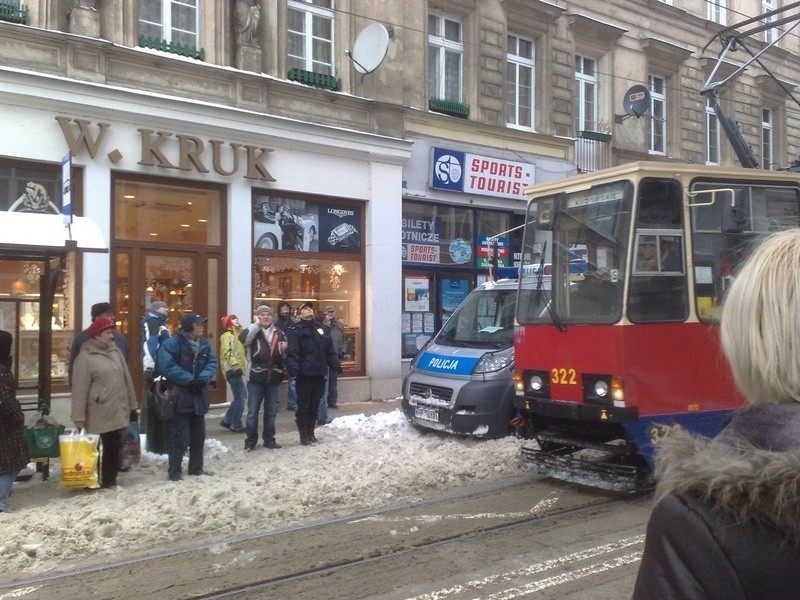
column 30, row 190
column 453, row 293
column 417, row 294
column 285, row 224
column 339, row 229
column 500, row 246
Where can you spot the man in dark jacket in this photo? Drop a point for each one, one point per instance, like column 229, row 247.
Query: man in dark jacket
column 13, row 449
column 154, row 332
column 310, row 354
column 187, row 361
column 265, row 346
column 282, row 323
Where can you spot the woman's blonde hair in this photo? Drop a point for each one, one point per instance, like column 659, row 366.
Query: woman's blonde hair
column 760, row 324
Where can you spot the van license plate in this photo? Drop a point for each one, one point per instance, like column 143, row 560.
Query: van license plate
column 427, row 414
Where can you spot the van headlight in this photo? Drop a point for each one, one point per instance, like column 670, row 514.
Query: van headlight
column 495, row 361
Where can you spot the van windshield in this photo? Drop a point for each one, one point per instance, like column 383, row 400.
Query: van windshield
column 485, row 318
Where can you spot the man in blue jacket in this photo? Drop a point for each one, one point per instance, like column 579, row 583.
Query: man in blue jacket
column 187, row 361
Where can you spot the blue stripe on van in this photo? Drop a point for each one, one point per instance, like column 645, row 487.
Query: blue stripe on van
column 452, row 365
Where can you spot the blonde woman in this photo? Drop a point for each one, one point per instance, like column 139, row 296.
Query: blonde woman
column 727, row 519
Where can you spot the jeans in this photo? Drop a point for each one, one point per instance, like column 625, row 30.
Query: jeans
column 233, row 416
column 309, row 391
column 256, row 394
column 186, row 429
column 6, row 481
column 322, row 413
column 291, row 399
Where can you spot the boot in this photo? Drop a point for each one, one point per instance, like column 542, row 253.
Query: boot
column 311, row 438
column 303, row 435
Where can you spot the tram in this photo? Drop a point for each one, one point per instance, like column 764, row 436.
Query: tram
column 614, row 356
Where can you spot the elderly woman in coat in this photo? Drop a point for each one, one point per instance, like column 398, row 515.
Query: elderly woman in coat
column 103, row 399
column 727, row 519
column 13, row 450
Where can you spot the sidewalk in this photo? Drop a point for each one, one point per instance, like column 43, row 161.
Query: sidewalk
column 285, row 420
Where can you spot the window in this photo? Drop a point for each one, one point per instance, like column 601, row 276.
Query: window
column 716, row 11
column 658, row 115
column 309, row 250
column 176, row 21
column 519, row 82
column 712, row 135
column 586, row 93
column 445, row 57
column 768, row 6
column 767, row 143
column 309, row 42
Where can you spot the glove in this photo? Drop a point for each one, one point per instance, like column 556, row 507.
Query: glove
column 196, row 385
column 134, row 416
column 238, row 372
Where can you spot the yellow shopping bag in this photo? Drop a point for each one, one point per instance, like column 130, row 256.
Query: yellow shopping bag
column 79, row 459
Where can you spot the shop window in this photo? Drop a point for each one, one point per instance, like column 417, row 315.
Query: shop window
column 160, row 212
column 308, row 250
column 436, row 235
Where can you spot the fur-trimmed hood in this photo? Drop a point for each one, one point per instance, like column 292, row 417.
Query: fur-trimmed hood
column 750, row 470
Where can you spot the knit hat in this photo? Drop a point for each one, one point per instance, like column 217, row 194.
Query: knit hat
column 99, row 325
column 188, row 320
column 157, row 305
column 263, row 309
column 329, row 308
column 227, row 321
column 101, row 308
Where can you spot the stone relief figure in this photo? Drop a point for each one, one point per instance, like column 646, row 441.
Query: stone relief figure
column 247, row 15
column 34, row 200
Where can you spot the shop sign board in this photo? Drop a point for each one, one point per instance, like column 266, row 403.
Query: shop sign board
column 501, row 250
column 467, row 173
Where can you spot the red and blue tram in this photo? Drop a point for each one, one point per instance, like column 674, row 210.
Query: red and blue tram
column 618, row 344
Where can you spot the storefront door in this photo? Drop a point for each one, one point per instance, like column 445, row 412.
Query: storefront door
column 186, row 281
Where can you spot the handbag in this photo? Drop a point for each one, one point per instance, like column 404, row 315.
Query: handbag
column 165, row 397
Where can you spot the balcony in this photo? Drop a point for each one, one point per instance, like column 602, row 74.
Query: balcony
column 13, row 13
column 592, row 151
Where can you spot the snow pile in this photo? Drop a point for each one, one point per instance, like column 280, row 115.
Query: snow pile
column 361, row 462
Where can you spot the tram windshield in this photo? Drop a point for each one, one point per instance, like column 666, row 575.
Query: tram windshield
column 585, row 236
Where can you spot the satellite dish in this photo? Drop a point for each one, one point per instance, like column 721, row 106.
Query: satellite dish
column 370, row 48
column 637, row 101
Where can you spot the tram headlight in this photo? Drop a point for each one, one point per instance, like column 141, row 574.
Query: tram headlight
column 601, row 389
column 536, row 384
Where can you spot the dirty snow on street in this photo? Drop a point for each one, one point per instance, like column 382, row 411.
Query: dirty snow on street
column 361, row 462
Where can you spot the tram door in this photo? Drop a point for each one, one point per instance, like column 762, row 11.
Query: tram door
column 186, row 281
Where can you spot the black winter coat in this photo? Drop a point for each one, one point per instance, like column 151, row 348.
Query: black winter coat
column 310, row 350
column 727, row 521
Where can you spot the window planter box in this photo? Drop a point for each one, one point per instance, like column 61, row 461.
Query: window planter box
column 448, row 107
column 172, row 47
column 13, row 13
column 597, row 136
column 316, row 79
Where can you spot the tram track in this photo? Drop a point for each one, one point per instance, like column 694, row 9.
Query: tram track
column 246, row 565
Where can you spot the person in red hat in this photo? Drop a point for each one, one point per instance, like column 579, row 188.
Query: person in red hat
column 233, row 363
column 103, row 398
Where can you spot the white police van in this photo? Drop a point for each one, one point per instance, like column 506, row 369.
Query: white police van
column 461, row 381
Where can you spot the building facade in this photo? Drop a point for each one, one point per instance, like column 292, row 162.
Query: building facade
column 370, row 156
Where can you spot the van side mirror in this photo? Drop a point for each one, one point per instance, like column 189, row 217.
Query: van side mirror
column 734, row 212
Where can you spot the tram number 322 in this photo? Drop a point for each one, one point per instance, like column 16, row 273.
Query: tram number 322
column 563, row 376
column 661, row 432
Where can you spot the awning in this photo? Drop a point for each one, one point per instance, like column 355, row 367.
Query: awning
column 32, row 232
